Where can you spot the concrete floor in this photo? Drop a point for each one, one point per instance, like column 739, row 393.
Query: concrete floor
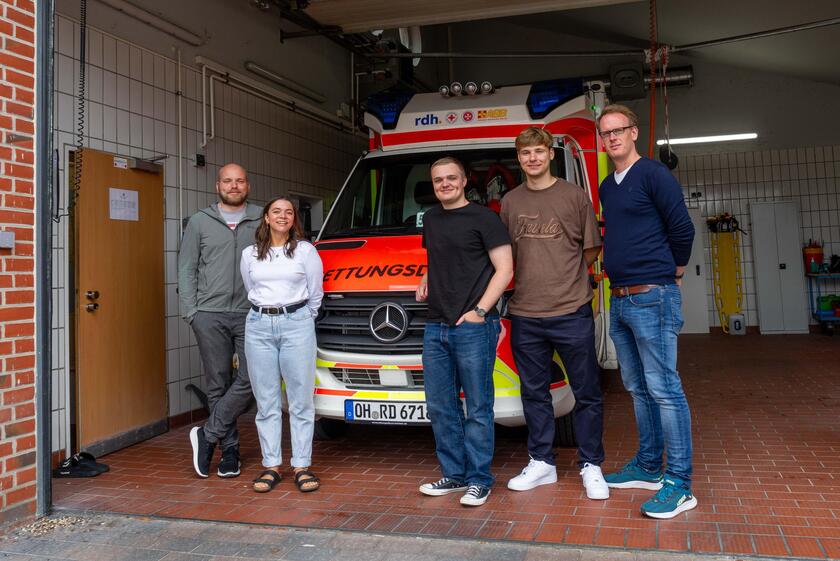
column 108, row 537
column 767, row 469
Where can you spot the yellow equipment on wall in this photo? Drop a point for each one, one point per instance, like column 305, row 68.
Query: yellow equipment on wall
column 727, row 279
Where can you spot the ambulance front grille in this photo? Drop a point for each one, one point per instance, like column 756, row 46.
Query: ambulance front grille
column 344, row 324
column 369, row 378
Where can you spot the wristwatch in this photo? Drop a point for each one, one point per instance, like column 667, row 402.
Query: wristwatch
column 480, row 312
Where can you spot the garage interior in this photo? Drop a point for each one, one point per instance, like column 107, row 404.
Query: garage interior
column 279, row 86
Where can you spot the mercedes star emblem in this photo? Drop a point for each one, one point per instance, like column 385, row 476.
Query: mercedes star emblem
column 388, row 322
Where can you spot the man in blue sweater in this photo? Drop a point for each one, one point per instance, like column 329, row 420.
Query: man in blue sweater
column 647, row 243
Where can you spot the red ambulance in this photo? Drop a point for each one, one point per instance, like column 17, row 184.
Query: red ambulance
column 370, row 330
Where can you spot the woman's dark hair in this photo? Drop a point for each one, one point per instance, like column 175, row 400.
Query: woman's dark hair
column 263, row 235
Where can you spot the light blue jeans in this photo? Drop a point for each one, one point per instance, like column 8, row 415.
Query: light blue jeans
column 644, row 328
column 283, row 346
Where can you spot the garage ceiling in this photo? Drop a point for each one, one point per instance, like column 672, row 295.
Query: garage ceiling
column 811, row 54
column 621, row 25
column 236, row 30
column 366, row 15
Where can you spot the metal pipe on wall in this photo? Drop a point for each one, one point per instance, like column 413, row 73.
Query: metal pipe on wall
column 180, row 185
column 757, row 35
column 245, row 84
column 561, row 54
column 205, row 109
column 44, row 182
column 203, row 106
column 277, row 102
column 213, row 107
column 525, row 54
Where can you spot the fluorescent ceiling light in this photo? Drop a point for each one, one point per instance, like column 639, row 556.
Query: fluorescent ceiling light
column 707, row 139
column 284, row 82
column 155, row 21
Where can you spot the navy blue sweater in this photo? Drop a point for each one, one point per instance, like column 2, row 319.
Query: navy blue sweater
column 647, row 230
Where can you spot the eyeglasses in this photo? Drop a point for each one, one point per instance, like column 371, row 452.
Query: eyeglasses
column 617, row 132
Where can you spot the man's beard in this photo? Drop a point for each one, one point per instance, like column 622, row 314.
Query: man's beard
column 233, row 199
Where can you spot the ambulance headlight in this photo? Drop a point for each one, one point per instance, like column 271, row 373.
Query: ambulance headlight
column 456, row 88
column 444, row 90
column 471, row 88
column 486, row 87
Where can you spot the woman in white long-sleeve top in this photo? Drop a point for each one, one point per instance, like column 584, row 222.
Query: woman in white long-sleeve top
column 284, row 278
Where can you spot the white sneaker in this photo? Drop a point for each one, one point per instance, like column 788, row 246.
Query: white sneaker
column 536, row 473
column 593, row 482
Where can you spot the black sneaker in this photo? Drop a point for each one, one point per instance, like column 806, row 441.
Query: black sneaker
column 202, row 451
column 476, row 495
column 442, row 487
column 229, row 466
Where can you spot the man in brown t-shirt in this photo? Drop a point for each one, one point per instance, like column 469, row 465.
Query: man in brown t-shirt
column 555, row 239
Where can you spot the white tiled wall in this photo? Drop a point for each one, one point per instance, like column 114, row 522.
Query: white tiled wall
column 132, row 110
column 728, row 182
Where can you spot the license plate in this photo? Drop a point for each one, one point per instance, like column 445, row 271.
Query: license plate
column 385, row 412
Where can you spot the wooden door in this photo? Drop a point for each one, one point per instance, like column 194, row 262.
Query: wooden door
column 121, row 362
column 695, row 309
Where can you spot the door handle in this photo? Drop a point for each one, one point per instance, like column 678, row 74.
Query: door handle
column 92, row 294
column 91, row 307
column 698, row 270
column 782, row 265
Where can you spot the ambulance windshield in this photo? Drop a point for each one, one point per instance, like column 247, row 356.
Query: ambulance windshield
column 387, row 195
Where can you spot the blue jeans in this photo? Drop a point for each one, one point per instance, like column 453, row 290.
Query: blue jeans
column 456, row 358
column 283, row 346
column 644, row 328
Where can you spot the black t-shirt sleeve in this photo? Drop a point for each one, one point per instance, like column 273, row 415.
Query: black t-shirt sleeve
column 493, row 231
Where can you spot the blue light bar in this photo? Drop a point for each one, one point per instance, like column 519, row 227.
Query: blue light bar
column 546, row 96
column 387, row 106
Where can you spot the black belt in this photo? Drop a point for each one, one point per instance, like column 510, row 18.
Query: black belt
column 276, row 311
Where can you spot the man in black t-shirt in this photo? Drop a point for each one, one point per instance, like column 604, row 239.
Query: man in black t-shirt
column 470, row 265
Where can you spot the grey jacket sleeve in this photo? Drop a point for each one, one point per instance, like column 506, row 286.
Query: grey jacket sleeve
column 188, row 258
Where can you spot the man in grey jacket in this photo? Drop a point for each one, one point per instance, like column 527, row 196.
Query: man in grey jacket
column 214, row 302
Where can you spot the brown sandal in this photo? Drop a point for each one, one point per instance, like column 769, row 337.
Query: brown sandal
column 272, row 480
column 307, row 478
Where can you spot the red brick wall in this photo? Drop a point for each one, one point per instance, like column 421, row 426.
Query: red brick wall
column 17, row 266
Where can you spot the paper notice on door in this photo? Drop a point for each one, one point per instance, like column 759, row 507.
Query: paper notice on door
column 123, row 204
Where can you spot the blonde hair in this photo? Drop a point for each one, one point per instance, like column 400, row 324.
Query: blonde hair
column 632, row 118
column 446, row 160
column 534, row 136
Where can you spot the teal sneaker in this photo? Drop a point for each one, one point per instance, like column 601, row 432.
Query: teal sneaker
column 673, row 499
column 633, row 476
